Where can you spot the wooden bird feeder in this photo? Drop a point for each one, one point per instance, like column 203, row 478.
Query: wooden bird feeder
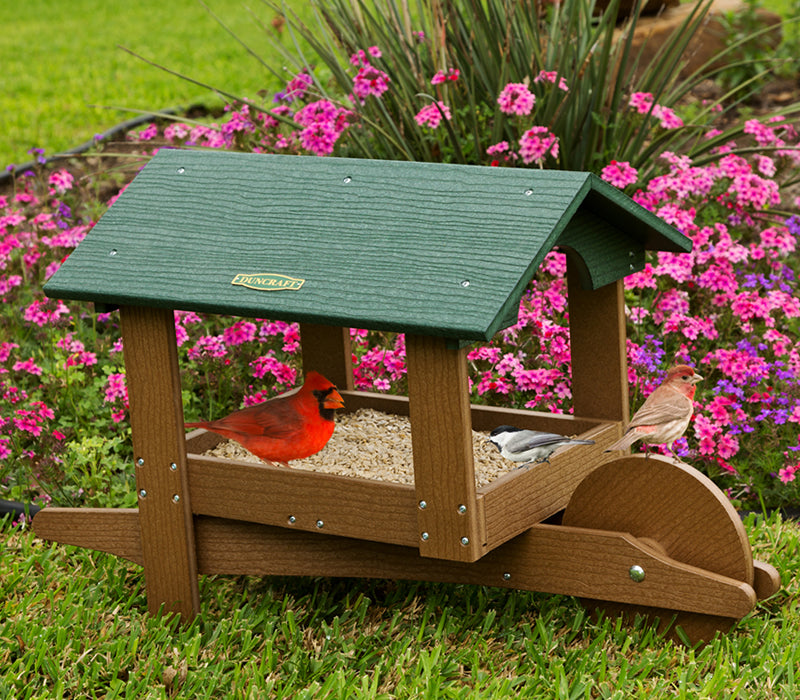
column 442, row 253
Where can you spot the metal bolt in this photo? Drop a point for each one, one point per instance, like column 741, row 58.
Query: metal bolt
column 181, row 170
column 465, row 283
column 347, row 179
column 423, row 505
column 142, row 493
column 140, row 462
column 112, row 252
column 632, row 266
column 173, row 467
column 425, row 536
column 176, row 498
column 292, row 520
column 462, row 509
column 528, row 192
column 465, row 541
column 320, row 524
column 506, row 576
column 636, row 573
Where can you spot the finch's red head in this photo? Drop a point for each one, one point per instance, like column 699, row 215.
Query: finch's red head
column 684, row 379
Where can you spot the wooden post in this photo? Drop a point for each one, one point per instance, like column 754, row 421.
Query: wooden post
column 450, row 526
column 159, row 451
column 326, row 349
column 597, row 340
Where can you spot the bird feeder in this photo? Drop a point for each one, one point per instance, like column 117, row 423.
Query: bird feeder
column 443, row 254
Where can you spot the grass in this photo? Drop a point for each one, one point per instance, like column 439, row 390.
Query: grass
column 64, row 79
column 73, row 625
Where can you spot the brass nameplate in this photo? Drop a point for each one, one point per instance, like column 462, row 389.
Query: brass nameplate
column 268, row 282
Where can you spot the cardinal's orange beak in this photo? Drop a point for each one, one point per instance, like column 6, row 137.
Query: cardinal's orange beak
column 333, row 399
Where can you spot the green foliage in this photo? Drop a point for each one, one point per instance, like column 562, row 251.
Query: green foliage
column 73, row 623
column 491, row 44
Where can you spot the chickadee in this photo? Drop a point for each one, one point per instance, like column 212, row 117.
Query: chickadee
column 526, row 446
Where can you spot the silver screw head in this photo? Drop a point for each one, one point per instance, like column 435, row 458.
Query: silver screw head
column 173, row 467
column 423, row 505
column 140, row 462
column 320, row 524
column 425, row 536
column 636, row 573
column 142, row 493
column 506, row 576
column 465, row 541
column 292, row 520
column 176, row 498
column 462, row 509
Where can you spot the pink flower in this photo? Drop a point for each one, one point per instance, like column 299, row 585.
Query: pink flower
column 297, row 87
column 536, row 144
column 442, row 76
column 551, row 77
column 239, row 333
column 61, row 181
column 28, row 366
column 431, row 115
column 619, row 174
column 116, row 388
column 642, row 102
column 370, row 81
column 516, row 98
column 789, row 473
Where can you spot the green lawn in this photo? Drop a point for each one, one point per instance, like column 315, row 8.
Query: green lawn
column 64, row 79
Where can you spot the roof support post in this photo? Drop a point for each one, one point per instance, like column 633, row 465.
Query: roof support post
column 326, row 349
column 597, row 341
column 449, row 517
column 159, row 450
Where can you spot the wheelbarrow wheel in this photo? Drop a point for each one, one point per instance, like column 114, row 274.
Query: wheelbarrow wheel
column 680, row 513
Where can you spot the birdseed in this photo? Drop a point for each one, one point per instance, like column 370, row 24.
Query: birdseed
column 374, row 445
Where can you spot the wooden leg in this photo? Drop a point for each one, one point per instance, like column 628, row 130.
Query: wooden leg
column 159, row 448
column 450, row 526
column 326, row 349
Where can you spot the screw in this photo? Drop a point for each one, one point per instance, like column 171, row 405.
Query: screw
column 425, row 536
column 142, row 493
column 347, row 179
column 320, row 524
column 465, row 541
column 176, row 498
column 423, row 505
column 465, row 283
column 173, row 467
column 506, row 576
column 636, row 573
column 528, row 192
column 140, row 462
column 112, row 252
column 181, row 170
column 292, row 520
column 462, row 509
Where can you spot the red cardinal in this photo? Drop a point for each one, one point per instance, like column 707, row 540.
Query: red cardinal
column 294, row 425
column 665, row 414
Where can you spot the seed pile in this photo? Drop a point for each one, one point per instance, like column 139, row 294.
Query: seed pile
column 373, row 445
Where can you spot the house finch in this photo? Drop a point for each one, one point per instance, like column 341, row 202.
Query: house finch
column 529, row 445
column 294, row 425
column 665, row 414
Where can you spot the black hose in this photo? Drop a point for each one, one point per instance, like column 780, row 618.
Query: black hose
column 120, row 128
column 15, row 509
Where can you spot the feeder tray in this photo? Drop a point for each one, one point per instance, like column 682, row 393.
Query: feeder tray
column 442, row 253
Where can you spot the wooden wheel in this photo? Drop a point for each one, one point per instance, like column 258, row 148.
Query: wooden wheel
column 677, row 511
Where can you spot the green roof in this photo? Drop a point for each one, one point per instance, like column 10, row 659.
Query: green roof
column 426, row 248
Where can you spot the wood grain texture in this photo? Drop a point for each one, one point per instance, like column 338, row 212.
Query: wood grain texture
column 380, row 244
column 598, row 348
column 156, row 415
column 112, row 530
column 441, row 440
column 326, row 349
column 260, row 493
column 547, row 558
column 524, row 497
column 669, row 504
